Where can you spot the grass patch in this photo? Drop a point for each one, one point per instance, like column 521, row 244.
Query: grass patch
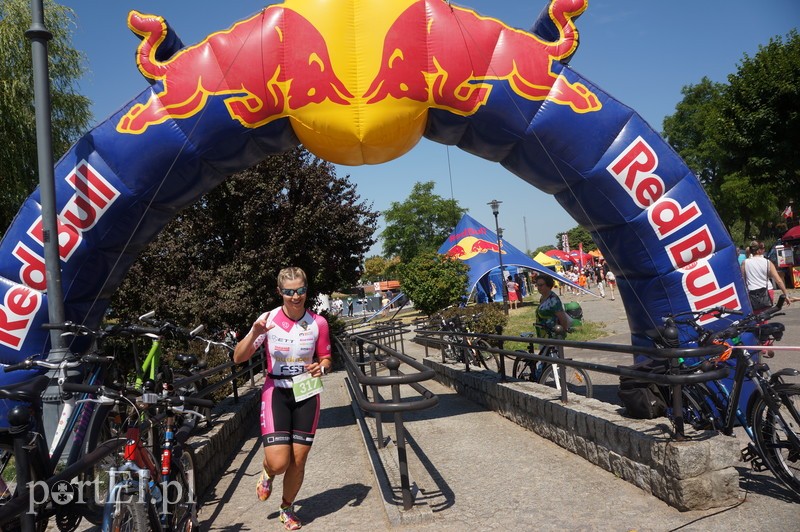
column 522, row 320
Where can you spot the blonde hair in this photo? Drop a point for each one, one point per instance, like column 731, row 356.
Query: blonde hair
column 290, row 274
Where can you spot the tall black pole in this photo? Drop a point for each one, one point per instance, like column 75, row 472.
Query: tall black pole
column 39, row 35
column 496, row 210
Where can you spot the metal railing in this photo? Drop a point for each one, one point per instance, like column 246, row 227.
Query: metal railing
column 672, row 378
column 233, row 372
column 364, row 353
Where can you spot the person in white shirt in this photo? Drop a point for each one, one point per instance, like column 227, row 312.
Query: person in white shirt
column 758, row 271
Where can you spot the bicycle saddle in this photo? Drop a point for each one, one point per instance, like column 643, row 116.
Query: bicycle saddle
column 186, row 360
column 665, row 335
column 27, row 391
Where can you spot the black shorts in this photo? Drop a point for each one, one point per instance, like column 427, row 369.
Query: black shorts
column 284, row 421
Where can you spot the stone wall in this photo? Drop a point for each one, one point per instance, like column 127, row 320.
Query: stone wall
column 695, row 474
column 232, row 421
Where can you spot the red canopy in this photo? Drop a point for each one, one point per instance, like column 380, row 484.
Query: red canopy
column 558, row 254
column 576, row 256
column 792, row 234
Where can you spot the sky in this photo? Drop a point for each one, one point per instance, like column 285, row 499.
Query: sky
column 641, row 52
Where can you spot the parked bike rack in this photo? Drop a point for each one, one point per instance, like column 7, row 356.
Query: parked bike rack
column 371, row 349
column 672, row 379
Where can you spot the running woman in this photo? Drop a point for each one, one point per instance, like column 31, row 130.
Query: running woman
column 297, row 341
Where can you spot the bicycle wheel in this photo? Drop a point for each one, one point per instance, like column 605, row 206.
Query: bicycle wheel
column 487, row 359
column 697, row 411
column 8, row 486
column 452, row 351
column 524, row 369
column 578, row 381
column 108, row 422
column 180, row 492
column 193, row 388
column 130, row 515
column 772, row 433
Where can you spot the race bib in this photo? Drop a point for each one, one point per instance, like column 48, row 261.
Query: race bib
column 305, row 386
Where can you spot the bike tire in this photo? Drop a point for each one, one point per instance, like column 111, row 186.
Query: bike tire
column 451, row 350
column 181, row 492
column 578, row 381
column 193, row 388
column 524, row 369
column 130, row 516
column 37, row 473
column 770, row 431
column 697, row 411
column 107, row 423
column 487, row 359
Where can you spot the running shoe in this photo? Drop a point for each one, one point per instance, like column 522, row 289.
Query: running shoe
column 264, row 486
column 289, row 518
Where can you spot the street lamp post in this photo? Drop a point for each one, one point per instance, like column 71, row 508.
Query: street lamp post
column 496, row 210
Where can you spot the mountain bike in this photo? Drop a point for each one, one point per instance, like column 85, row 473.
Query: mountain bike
column 461, row 347
column 40, row 489
column 547, row 373
column 145, row 493
column 772, row 415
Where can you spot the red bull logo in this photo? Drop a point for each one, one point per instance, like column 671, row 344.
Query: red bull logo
column 469, row 246
column 355, row 92
column 291, row 73
column 447, row 61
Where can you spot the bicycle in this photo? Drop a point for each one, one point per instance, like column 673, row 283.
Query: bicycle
column 154, row 494
column 547, row 373
column 77, row 419
column 772, row 416
column 461, row 347
column 29, row 503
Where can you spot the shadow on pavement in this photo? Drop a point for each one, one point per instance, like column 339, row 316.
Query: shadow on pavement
column 329, row 502
column 239, row 475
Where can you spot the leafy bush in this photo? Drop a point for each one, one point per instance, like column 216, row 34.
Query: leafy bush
column 433, row 281
column 489, row 317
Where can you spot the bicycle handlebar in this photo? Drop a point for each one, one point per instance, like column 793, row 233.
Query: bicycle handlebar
column 147, row 398
column 734, row 329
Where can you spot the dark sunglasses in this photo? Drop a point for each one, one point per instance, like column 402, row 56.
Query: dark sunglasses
column 289, row 292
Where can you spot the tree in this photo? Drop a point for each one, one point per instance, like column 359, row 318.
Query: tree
column 217, row 262
column 762, row 114
column 761, row 125
column 377, row 268
column 694, row 130
column 433, row 281
column 419, row 224
column 740, row 139
column 70, row 112
column 577, row 235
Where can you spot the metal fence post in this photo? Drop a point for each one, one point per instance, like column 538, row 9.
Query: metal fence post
column 376, row 394
column 393, row 364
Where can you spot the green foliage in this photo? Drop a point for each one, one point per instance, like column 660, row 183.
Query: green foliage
column 419, row 224
column 540, row 249
column 576, row 235
column 70, row 112
column 433, row 281
column 741, row 138
column 377, row 268
column 217, row 262
column 489, row 317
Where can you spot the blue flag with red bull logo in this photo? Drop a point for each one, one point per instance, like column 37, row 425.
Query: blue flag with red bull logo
column 479, row 248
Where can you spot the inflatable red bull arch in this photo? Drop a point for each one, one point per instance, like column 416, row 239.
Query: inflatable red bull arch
column 360, row 82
